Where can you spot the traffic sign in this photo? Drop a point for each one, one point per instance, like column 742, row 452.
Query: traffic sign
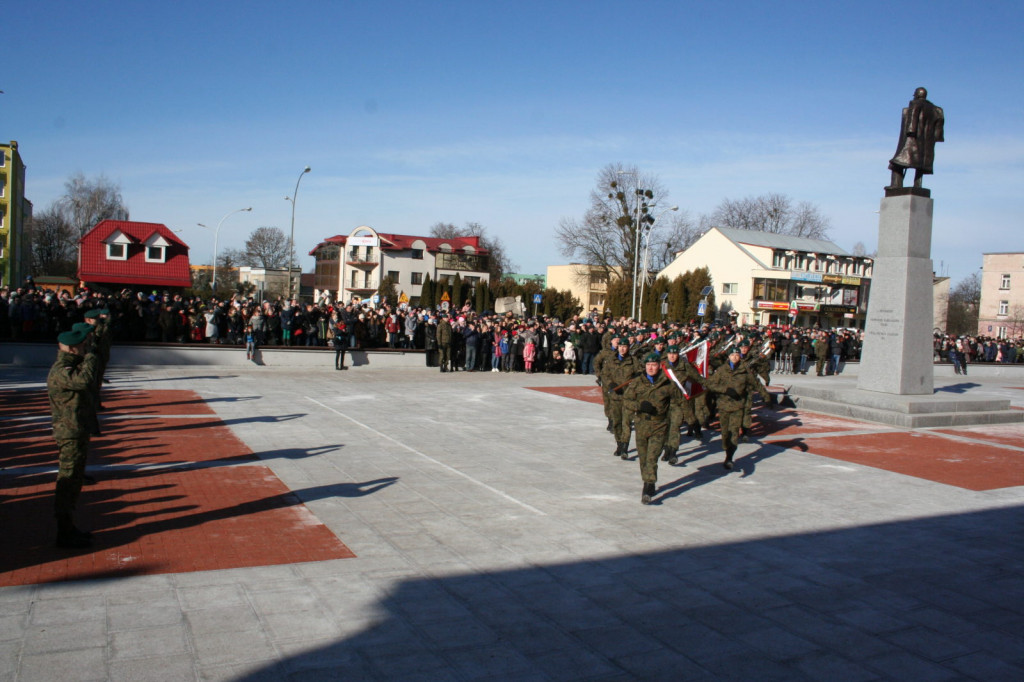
column 702, row 309
column 537, row 298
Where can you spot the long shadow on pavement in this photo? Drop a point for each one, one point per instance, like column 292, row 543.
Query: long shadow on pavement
column 933, row 598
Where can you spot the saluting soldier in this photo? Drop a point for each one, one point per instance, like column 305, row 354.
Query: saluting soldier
column 732, row 382
column 70, row 389
column 647, row 397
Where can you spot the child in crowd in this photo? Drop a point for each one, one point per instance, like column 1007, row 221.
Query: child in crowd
column 569, row 353
column 529, row 355
column 250, row 343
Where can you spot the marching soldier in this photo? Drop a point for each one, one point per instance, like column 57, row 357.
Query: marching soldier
column 732, row 382
column 619, row 370
column 681, row 409
column 600, row 364
column 648, row 397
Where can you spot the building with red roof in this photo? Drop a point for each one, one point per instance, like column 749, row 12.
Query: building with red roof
column 353, row 265
column 125, row 254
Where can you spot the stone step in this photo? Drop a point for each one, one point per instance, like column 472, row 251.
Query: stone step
column 912, row 420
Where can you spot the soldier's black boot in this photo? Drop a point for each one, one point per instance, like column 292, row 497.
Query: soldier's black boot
column 69, row 537
column 648, row 493
column 672, row 458
column 728, row 458
column 609, row 426
column 625, row 450
column 618, row 449
column 697, row 433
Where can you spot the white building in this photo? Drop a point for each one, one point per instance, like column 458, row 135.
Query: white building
column 351, row 267
column 765, row 278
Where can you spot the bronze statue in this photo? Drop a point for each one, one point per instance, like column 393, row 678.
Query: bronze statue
column 920, row 130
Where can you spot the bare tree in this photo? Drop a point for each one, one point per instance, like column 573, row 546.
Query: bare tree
column 88, row 201
column 267, row 247
column 54, row 244
column 773, row 213
column 498, row 263
column 606, row 236
column 964, row 301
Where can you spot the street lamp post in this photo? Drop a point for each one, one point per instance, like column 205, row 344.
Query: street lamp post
column 647, row 249
column 216, row 238
column 291, row 239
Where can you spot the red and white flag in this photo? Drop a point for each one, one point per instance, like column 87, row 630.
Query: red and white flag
column 696, row 355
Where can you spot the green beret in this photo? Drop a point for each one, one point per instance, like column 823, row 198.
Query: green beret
column 83, row 327
column 732, row 349
column 745, row 343
column 73, row 337
column 96, row 312
column 652, row 357
column 672, row 349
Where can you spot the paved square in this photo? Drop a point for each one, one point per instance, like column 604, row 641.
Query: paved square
column 496, row 537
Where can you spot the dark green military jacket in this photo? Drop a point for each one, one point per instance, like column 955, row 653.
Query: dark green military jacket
column 69, row 385
column 656, row 390
column 618, row 370
column 444, row 333
column 738, row 380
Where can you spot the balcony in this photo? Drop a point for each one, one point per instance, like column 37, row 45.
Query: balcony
column 361, row 262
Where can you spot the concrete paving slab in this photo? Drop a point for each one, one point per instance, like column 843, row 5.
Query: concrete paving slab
column 495, row 536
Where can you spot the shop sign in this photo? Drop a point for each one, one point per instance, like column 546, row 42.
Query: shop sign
column 771, row 305
column 805, row 276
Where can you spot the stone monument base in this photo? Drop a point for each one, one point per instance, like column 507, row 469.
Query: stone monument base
column 909, row 411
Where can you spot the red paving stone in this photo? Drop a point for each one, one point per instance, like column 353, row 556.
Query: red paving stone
column 168, row 521
column 1006, row 434
column 927, row 456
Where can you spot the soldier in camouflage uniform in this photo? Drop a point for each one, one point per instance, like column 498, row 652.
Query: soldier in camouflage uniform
column 600, row 361
column 759, row 366
column 69, row 387
column 732, row 382
column 681, row 409
column 444, row 343
column 648, row 397
column 618, row 371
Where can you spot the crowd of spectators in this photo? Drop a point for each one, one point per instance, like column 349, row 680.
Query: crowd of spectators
column 481, row 340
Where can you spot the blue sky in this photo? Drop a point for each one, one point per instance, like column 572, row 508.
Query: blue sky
column 502, row 113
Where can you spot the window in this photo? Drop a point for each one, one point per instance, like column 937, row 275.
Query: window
column 155, row 254
column 778, row 259
column 417, row 278
column 730, row 288
column 1004, row 308
column 1005, row 284
column 117, row 252
column 393, row 274
column 417, row 254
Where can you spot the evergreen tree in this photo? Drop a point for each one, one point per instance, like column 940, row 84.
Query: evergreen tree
column 457, row 294
column 427, row 292
column 387, row 291
column 620, row 296
column 482, row 304
column 677, row 300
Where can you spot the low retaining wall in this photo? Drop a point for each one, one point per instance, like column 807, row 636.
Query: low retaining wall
column 133, row 355
column 42, row 355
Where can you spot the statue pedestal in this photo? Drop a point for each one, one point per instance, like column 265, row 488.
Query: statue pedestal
column 897, row 355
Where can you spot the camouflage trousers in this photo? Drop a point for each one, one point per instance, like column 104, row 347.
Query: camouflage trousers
column 70, row 473
column 730, row 423
column 679, row 414
column 445, row 356
column 622, row 421
column 650, row 439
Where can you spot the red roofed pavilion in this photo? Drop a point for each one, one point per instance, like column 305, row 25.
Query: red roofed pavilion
column 131, row 254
